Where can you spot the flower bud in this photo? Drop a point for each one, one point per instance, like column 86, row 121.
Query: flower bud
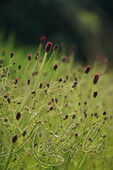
column 104, row 113
column 95, row 94
column 43, row 39
column 3, row 52
column 55, row 67
column 56, row 47
column 19, row 67
column 11, row 54
column 14, row 139
column 87, row 69
column 8, row 100
column 24, row 133
column 48, row 46
column 29, row 56
column 96, row 78
column 28, row 81
column 15, row 80
column 18, row 115
column 65, row 59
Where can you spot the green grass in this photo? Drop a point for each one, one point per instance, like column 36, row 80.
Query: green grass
column 63, row 124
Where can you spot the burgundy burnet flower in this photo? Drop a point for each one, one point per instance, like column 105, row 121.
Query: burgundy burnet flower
column 55, row 67
column 28, row 81
column 98, row 57
column 48, row 46
column 15, row 80
column 19, row 66
column 56, row 47
column 14, row 138
column 95, row 94
column 3, row 52
column 12, row 54
column 43, row 39
column 29, row 56
column 105, row 59
column 96, row 78
column 8, row 100
column 87, row 69
column 65, row 59
column 18, row 115
column 24, row 132
column 104, row 113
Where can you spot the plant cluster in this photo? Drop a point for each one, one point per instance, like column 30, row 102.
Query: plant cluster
column 54, row 113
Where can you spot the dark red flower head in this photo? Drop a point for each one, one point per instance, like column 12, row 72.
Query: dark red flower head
column 19, row 66
column 56, row 47
column 14, row 138
column 98, row 57
column 55, row 67
column 48, row 46
column 11, row 54
column 105, row 59
column 3, row 52
column 95, row 94
column 29, row 56
column 96, row 78
column 65, row 59
column 43, row 39
column 15, row 80
column 18, row 115
column 87, row 69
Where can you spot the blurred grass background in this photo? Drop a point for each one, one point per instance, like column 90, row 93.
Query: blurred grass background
column 85, row 25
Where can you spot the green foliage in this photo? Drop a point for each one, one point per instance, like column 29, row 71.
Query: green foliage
column 49, row 119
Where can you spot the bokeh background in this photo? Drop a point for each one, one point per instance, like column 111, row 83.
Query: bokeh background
column 84, row 25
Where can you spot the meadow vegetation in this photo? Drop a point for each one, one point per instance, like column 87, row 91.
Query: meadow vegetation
column 55, row 113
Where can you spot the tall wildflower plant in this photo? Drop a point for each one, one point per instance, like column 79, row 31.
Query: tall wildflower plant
column 54, row 113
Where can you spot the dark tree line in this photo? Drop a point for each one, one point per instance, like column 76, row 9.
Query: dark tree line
column 59, row 21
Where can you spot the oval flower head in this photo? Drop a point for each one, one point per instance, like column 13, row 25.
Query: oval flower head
column 29, row 56
column 3, row 52
column 56, row 47
column 48, row 46
column 11, row 54
column 95, row 94
column 15, row 80
column 96, row 78
column 55, row 67
column 87, row 69
column 43, row 39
